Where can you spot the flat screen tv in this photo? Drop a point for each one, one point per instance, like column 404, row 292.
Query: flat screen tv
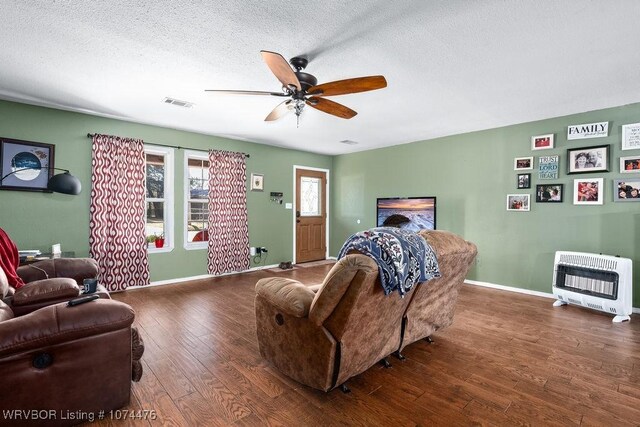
column 411, row 213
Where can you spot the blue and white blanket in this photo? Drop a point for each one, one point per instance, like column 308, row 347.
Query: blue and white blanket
column 403, row 257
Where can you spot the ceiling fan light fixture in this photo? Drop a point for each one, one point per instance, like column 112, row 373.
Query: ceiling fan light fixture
column 302, row 88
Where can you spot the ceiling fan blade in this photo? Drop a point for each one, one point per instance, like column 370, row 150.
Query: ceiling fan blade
column 244, row 92
column 343, row 87
column 331, row 107
column 280, row 110
column 281, row 68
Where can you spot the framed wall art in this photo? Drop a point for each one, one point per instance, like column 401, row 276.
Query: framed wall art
column 523, row 163
column 257, row 182
column 524, row 180
column 25, row 165
column 588, row 191
column 542, row 142
column 548, row 167
column 631, row 136
column 630, row 164
column 626, row 190
column 518, row 202
column 549, row 193
column 588, row 159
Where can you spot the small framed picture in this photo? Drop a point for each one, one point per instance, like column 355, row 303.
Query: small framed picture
column 630, row 164
column 588, row 159
column 626, row 190
column 542, row 142
column 549, row 193
column 257, row 182
column 25, row 165
column 523, row 163
column 518, row 202
column 631, row 136
column 588, row 191
column 524, row 180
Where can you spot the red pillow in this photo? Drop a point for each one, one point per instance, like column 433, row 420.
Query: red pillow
column 9, row 260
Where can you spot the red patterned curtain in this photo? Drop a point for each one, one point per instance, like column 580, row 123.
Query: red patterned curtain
column 228, row 226
column 117, row 224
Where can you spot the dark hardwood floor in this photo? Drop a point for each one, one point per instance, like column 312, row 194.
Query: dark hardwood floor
column 509, row 359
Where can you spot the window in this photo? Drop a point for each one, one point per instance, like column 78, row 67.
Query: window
column 196, row 200
column 159, row 198
column 310, row 192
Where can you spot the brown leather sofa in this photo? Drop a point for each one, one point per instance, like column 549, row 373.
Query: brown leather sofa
column 51, row 281
column 61, row 359
column 322, row 339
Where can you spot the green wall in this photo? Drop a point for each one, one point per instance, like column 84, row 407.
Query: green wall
column 37, row 220
column 471, row 174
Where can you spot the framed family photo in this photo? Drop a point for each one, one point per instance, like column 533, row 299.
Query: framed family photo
column 588, row 159
column 626, row 190
column 588, row 191
column 523, row 163
column 630, row 164
column 524, row 180
column 542, row 142
column 25, row 165
column 549, row 193
column 518, row 202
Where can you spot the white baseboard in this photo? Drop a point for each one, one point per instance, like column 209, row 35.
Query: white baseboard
column 520, row 291
column 200, row 277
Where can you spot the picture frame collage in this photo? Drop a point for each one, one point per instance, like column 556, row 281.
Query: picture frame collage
column 580, row 159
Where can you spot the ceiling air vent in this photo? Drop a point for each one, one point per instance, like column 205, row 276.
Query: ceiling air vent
column 177, row 102
column 348, row 142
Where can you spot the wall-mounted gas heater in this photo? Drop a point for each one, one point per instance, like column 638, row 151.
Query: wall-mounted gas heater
column 600, row 282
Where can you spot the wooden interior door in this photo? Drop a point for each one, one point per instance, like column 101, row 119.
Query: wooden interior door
column 311, row 215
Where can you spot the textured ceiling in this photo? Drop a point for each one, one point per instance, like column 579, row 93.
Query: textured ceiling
column 451, row 66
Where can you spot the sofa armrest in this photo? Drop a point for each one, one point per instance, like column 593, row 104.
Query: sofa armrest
column 46, row 290
column 60, row 323
column 290, row 296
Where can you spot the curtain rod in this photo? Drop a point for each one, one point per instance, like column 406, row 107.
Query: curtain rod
column 91, row 135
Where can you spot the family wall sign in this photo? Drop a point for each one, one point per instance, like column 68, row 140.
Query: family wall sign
column 590, row 130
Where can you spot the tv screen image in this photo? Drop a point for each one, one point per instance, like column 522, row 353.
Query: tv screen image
column 419, row 211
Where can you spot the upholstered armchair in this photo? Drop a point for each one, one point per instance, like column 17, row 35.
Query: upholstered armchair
column 322, row 339
column 323, row 335
column 65, row 359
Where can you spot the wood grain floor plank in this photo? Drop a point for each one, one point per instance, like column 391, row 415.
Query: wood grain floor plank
column 509, row 359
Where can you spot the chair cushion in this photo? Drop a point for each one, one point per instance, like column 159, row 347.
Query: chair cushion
column 336, row 284
column 290, row 296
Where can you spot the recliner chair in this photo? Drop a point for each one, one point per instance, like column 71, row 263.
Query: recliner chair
column 51, row 281
column 322, row 339
column 65, row 359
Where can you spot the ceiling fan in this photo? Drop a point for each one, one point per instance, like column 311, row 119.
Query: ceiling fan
column 303, row 89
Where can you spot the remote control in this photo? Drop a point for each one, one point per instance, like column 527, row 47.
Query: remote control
column 82, row 300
